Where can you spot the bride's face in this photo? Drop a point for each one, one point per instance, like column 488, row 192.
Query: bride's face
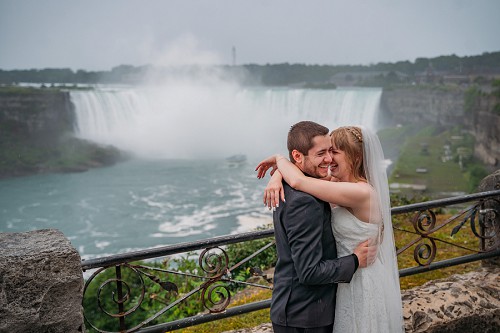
column 340, row 167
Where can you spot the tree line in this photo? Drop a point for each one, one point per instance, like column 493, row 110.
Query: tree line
column 283, row 74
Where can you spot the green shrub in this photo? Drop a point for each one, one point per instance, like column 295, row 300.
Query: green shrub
column 471, row 99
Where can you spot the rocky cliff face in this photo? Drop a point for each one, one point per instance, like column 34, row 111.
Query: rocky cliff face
column 41, row 115
column 424, row 106
column 486, row 128
column 446, row 108
column 36, row 135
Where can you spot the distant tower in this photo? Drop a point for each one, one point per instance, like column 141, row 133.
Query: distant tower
column 234, row 56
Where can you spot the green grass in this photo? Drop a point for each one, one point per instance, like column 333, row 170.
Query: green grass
column 392, row 139
column 251, row 319
column 19, row 157
column 18, row 90
column 425, row 150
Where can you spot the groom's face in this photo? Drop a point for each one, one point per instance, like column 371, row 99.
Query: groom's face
column 318, row 159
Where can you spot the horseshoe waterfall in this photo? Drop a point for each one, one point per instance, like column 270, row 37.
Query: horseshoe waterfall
column 178, row 186
column 201, row 122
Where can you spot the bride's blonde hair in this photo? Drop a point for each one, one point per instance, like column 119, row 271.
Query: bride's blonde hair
column 349, row 139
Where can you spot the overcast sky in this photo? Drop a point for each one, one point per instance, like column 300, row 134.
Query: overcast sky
column 102, row 34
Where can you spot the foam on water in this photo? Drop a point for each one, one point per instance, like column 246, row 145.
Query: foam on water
column 101, row 244
column 252, row 222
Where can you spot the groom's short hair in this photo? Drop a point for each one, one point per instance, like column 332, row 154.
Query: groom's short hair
column 301, row 135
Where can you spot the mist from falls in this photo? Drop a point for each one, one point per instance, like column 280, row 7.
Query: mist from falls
column 189, row 120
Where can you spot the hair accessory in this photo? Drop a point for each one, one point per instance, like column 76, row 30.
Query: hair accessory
column 356, row 132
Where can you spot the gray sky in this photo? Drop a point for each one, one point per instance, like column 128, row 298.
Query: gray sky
column 102, row 34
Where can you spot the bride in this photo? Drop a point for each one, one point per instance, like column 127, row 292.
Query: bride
column 359, row 194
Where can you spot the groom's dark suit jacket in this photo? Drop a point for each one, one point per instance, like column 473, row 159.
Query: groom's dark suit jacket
column 308, row 269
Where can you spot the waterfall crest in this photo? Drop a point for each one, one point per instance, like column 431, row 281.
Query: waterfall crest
column 199, row 121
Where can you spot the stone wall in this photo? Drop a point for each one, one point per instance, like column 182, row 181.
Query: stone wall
column 41, row 283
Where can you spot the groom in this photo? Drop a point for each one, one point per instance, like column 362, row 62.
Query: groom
column 308, row 269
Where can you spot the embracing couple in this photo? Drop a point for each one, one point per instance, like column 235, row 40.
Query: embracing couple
column 337, row 269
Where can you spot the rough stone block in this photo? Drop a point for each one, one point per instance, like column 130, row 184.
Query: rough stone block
column 41, row 283
column 460, row 303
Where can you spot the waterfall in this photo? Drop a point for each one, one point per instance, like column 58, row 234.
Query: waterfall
column 185, row 120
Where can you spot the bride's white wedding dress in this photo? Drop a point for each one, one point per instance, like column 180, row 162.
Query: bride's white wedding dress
column 366, row 304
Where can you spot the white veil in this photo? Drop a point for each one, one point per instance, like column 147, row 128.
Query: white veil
column 376, row 174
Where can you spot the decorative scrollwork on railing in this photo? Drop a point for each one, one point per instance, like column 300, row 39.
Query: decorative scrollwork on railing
column 214, row 261
column 482, row 217
column 215, row 296
column 121, row 294
column 121, row 301
column 424, row 251
column 424, row 222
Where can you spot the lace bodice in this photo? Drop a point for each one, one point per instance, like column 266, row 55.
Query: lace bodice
column 349, row 231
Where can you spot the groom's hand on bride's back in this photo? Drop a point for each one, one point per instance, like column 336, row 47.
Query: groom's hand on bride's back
column 366, row 253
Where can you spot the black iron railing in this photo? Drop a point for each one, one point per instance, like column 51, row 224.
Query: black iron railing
column 121, row 287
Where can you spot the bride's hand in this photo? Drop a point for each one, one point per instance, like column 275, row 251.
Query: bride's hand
column 274, row 191
column 263, row 166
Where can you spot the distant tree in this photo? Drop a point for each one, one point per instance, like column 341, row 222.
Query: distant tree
column 471, row 99
column 270, row 74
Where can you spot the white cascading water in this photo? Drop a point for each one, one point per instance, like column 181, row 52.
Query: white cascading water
column 186, row 120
